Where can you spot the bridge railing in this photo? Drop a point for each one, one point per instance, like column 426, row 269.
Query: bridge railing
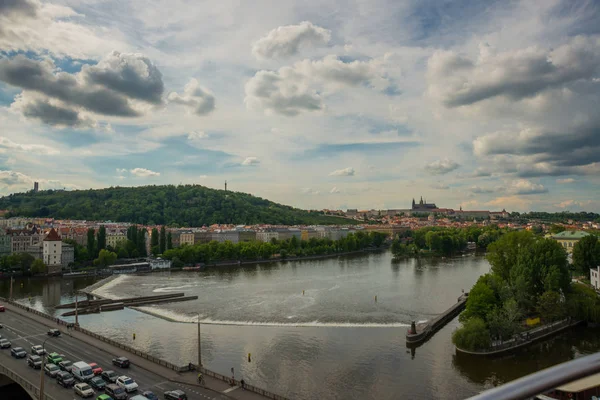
column 33, row 390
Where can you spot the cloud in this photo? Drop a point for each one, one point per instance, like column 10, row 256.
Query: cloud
column 343, row 172
column 121, row 170
column 48, row 111
column 457, row 80
column 511, row 203
column 440, row 186
column 441, row 167
column 481, row 190
column 197, row 135
column 565, row 180
column 14, row 180
column 132, row 75
column 198, row 99
column 286, row 41
column 297, row 89
column 144, row 173
column 40, row 149
column 538, row 151
column 251, row 161
column 334, row 190
column 523, row 186
column 311, row 191
column 18, row 7
column 11, row 178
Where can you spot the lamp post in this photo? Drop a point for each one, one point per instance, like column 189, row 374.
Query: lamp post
column 199, row 344
column 42, row 369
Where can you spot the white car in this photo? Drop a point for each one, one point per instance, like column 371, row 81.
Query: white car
column 127, row 383
column 83, row 390
column 38, row 350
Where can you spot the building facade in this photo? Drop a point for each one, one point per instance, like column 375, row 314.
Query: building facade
column 5, row 243
column 266, row 235
column 568, row 239
column 52, row 252
column 115, row 236
column 67, row 255
column 186, row 237
column 595, row 278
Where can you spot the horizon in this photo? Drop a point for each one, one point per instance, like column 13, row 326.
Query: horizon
column 480, row 105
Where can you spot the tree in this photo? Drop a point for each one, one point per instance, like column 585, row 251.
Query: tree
column 551, row 307
column 163, row 239
column 481, row 301
column 141, row 242
column 586, row 254
column 176, row 263
column 473, row 335
column 122, row 253
column 101, row 241
column 503, row 253
column 105, row 258
column 38, row 267
column 154, row 238
column 91, row 246
column 169, row 241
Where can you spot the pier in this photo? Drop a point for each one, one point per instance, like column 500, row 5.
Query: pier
column 419, row 333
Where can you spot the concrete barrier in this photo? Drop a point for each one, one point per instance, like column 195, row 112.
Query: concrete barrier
column 33, row 390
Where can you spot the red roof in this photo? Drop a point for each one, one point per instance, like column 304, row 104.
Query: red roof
column 52, row 236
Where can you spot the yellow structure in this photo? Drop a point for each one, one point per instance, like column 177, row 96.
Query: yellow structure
column 567, row 239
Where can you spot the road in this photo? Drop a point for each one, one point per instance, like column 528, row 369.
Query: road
column 24, row 332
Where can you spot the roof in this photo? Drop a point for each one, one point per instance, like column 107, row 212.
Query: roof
column 52, row 236
column 574, row 235
column 582, row 384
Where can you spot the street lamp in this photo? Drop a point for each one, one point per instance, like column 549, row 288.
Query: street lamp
column 199, row 344
column 42, row 369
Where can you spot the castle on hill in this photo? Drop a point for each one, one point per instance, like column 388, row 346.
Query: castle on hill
column 423, row 205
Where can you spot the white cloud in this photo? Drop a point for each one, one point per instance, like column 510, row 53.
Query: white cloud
column 11, row 178
column 523, row 186
column 334, row 190
column 440, row 186
column 121, row 170
column 310, row 191
column 251, row 161
column 197, row 135
column 198, row 99
column 565, row 180
column 40, row 149
column 144, row 173
column 286, row 41
column 441, row 167
column 343, row 172
column 481, row 190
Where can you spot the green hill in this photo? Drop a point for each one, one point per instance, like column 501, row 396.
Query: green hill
column 184, row 205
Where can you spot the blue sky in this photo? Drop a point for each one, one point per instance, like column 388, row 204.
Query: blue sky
column 479, row 104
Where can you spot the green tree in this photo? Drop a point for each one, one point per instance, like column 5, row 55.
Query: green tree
column 101, row 239
column 473, row 335
column 586, row 254
column 503, row 253
column 154, row 238
column 163, row 239
column 169, row 240
column 105, row 258
column 122, row 253
column 91, row 245
column 481, row 301
column 551, row 307
column 38, row 267
column 177, row 263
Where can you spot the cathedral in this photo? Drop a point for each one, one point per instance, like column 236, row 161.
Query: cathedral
column 423, row 205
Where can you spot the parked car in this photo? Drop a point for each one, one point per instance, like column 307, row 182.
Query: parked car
column 53, row 332
column 121, row 362
column 82, row 371
column 138, row 397
column 18, row 352
column 149, row 395
column 83, row 390
column 127, row 383
column 2, row 308
column 51, row 370
column 65, row 379
column 116, row 392
column 104, row 397
column 34, row 361
column 4, row 344
column 96, row 369
column 65, row 365
column 110, row 376
column 97, row 383
column 53, row 358
column 175, row 395
column 38, row 350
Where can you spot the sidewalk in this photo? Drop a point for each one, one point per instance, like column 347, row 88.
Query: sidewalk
column 187, row 378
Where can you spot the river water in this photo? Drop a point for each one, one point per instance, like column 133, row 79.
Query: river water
column 314, row 328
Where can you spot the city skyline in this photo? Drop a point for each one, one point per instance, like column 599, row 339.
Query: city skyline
column 483, row 105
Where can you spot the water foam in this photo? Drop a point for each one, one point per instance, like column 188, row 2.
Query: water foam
column 192, row 319
column 103, row 291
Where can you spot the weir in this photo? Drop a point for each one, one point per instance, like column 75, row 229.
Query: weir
column 419, row 333
column 96, row 306
column 92, row 303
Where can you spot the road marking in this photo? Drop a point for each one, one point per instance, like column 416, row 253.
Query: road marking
column 231, row 389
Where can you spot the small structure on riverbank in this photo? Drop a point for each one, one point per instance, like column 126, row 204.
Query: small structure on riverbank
column 419, row 333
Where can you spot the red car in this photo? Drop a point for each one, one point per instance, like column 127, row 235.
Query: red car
column 2, row 309
column 96, row 369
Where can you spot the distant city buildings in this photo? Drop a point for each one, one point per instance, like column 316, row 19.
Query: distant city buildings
column 568, row 239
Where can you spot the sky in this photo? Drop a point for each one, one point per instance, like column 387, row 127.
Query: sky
column 316, row 104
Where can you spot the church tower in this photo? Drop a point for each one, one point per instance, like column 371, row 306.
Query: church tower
column 413, row 203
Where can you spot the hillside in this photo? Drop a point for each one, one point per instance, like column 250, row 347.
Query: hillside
column 184, row 205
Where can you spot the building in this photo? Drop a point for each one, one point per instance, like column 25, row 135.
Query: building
column 114, row 236
column 567, row 239
column 36, row 187
column 246, row 235
column 159, row 263
column 267, row 235
column 5, row 243
column 67, row 255
column 226, row 236
column 186, row 237
column 22, row 239
column 422, row 206
column 351, row 212
column 461, row 214
column 52, row 252
column 595, row 278
column 307, row 234
column 202, row 236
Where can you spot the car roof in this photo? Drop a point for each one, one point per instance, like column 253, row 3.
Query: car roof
column 32, row 356
column 17, row 348
column 124, row 377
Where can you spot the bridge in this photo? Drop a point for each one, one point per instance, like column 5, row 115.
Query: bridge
column 25, row 328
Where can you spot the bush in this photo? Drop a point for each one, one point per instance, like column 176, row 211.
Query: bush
column 474, row 335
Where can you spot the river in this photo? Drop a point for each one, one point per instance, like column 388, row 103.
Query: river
column 314, row 328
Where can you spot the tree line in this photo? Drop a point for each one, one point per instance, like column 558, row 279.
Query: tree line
column 182, row 205
column 254, row 250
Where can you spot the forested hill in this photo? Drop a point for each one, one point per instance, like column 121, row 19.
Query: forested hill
column 184, row 205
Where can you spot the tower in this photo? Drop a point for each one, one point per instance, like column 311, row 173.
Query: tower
column 413, row 203
column 421, row 201
column 225, row 185
column 52, row 251
column 36, row 186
